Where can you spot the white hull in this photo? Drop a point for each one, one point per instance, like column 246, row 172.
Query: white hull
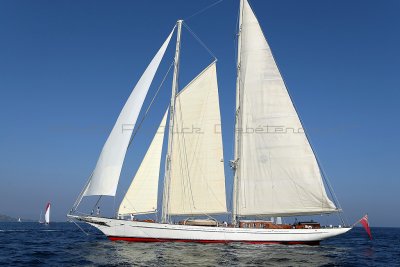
column 136, row 231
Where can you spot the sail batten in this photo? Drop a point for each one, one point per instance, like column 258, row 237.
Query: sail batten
column 142, row 195
column 106, row 174
column 197, row 181
column 278, row 172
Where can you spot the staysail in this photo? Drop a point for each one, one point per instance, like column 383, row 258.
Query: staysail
column 197, row 180
column 141, row 196
column 278, row 172
column 106, row 174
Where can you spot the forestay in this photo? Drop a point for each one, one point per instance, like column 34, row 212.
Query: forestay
column 106, row 174
column 141, row 196
column 279, row 174
column 197, row 184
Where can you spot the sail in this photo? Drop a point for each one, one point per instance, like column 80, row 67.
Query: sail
column 279, row 174
column 197, row 181
column 141, row 196
column 47, row 214
column 106, row 174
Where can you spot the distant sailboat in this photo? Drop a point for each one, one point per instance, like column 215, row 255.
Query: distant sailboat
column 19, row 220
column 47, row 214
column 41, row 217
column 276, row 171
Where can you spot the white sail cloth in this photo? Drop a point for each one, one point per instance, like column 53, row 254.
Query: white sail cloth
column 106, row 174
column 279, row 174
column 47, row 214
column 197, row 183
column 141, row 196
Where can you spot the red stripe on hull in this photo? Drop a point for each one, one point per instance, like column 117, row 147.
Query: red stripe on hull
column 147, row 240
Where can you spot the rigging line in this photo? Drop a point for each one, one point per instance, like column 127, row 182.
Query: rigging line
column 235, row 52
column 199, row 40
column 184, row 183
column 342, row 217
column 185, row 152
column 81, row 195
column 115, row 211
column 203, row 9
column 151, row 103
column 86, row 233
column 196, row 159
column 145, row 214
column 210, row 217
column 97, row 202
column 83, row 213
column 238, row 120
column 326, row 179
column 129, row 202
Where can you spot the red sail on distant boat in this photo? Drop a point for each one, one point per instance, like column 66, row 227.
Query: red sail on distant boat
column 364, row 222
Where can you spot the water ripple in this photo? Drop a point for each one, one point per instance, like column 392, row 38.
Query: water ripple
column 62, row 244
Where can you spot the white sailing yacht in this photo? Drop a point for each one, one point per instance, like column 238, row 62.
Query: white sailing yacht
column 276, row 173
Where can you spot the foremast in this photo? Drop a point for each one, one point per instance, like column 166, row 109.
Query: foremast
column 235, row 164
column 167, row 176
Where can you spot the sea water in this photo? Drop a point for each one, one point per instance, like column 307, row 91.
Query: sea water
column 64, row 244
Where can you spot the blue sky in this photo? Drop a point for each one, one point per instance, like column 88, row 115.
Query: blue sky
column 67, row 67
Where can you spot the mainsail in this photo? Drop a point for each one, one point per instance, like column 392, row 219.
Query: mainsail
column 47, row 214
column 278, row 173
column 106, row 174
column 141, row 196
column 197, row 180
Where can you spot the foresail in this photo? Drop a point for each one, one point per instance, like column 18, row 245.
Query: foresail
column 197, row 184
column 279, row 174
column 141, row 196
column 106, row 174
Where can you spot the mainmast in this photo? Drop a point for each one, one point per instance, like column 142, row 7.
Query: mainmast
column 167, row 176
column 238, row 116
